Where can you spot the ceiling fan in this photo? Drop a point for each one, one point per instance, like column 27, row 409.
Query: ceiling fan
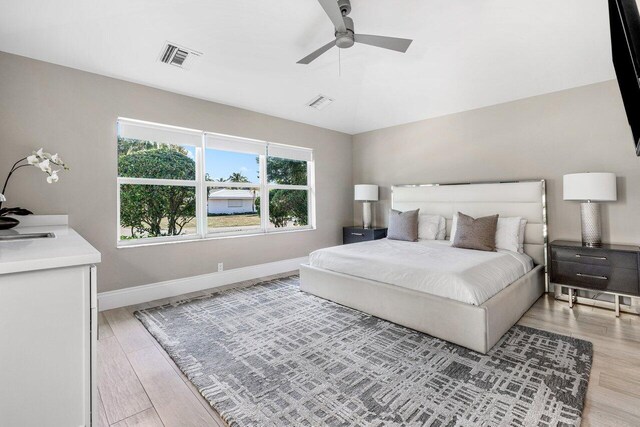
column 346, row 37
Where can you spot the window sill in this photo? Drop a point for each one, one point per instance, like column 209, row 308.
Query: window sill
column 124, row 244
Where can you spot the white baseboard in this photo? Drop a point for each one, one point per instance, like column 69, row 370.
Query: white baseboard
column 171, row 288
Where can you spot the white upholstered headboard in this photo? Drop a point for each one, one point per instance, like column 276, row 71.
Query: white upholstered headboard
column 524, row 198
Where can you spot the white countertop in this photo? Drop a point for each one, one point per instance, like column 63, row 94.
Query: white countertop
column 66, row 249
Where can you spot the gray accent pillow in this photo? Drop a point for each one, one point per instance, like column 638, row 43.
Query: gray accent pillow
column 403, row 225
column 479, row 234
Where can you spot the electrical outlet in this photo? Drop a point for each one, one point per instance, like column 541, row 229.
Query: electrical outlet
column 220, row 266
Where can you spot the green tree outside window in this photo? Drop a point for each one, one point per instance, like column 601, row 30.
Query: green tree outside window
column 148, row 209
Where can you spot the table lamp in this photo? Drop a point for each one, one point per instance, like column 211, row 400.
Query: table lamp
column 366, row 193
column 590, row 188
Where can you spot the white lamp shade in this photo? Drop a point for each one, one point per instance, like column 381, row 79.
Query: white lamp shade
column 597, row 187
column 366, row 192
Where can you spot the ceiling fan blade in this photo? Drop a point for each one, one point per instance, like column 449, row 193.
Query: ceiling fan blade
column 333, row 11
column 393, row 43
column 307, row 59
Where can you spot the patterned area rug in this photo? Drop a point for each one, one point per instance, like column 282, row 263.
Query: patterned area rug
column 271, row 355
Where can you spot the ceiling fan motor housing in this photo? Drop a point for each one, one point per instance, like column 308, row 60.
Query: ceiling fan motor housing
column 345, row 40
column 345, row 7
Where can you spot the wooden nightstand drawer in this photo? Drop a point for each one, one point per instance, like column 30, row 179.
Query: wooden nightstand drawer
column 359, row 234
column 594, row 256
column 354, row 236
column 596, row 277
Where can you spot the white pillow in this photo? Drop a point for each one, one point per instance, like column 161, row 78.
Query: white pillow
column 508, row 233
column 454, row 226
column 523, row 227
column 429, row 226
column 442, row 229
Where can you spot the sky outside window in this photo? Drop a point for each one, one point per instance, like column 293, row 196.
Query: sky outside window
column 222, row 164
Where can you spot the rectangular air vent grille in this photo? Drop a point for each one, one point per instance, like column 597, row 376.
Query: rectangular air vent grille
column 320, row 102
column 178, row 56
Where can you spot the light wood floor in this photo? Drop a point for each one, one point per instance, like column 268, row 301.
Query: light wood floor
column 139, row 385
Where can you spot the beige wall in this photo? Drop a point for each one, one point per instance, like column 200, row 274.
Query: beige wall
column 74, row 113
column 577, row 130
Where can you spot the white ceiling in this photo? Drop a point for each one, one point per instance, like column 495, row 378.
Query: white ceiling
column 466, row 54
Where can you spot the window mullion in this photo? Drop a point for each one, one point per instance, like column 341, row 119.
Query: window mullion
column 311, row 194
column 118, row 226
column 227, row 184
column 288, row 187
column 264, row 194
column 202, row 190
column 156, row 181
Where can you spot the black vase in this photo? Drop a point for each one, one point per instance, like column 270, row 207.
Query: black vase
column 7, row 222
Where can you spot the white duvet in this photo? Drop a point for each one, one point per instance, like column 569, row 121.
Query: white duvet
column 430, row 266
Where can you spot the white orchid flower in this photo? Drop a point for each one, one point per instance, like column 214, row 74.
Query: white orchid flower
column 33, row 160
column 2, row 198
column 56, row 160
column 40, row 153
column 45, row 166
column 53, row 177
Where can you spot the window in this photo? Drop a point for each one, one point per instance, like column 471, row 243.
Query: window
column 183, row 184
column 287, row 176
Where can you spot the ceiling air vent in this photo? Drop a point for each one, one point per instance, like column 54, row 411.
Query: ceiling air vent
column 178, row 56
column 320, row 102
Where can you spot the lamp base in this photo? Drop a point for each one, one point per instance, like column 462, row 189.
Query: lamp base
column 366, row 214
column 591, row 224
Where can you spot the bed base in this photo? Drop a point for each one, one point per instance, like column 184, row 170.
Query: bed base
column 478, row 328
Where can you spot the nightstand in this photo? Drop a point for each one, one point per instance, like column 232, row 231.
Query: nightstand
column 609, row 269
column 359, row 234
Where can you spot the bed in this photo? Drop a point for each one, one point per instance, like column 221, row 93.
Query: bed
column 470, row 300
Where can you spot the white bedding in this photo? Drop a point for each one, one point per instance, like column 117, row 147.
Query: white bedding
column 430, row 266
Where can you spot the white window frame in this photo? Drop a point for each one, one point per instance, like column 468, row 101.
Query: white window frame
column 309, row 188
column 202, row 186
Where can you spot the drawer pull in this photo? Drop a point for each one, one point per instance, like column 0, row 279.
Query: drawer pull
column 357, row 234
column 604, row 258
column 591, row 276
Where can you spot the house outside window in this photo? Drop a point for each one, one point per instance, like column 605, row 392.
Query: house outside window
column 184, row 184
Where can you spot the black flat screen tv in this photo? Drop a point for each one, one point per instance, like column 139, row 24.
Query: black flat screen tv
column 624, row 21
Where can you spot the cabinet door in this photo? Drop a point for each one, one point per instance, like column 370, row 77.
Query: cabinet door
column 45, row 358
column 93, row 375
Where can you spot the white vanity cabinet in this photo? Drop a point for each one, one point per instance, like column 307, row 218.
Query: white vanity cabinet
column 48, row 326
